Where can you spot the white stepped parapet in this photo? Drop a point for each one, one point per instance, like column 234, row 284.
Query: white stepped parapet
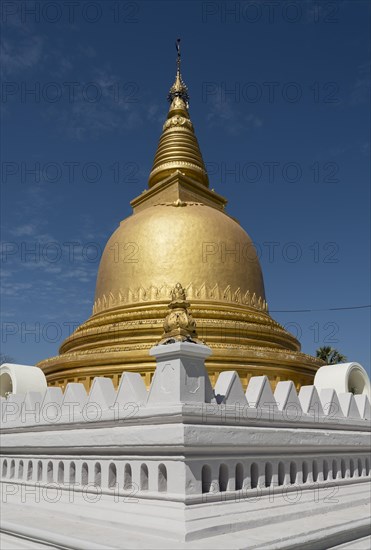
column 102, row 393
column 330, row 404
column 33, row 399
column 287, row 399
column 11, row 410
column 32, row 407
column 52, row 405
column 348, row 405
column 53, row 395
column 310, row 401
column 75, row 393
column 181, row 381
column 259, row 394
column 74, row 400
column 363, row 405
column 132, row 389
column 228, row 389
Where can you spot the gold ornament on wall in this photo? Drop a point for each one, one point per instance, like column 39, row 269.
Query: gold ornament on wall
column 179, row 325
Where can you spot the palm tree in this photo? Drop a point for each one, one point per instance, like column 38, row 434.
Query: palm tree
column 330, row 355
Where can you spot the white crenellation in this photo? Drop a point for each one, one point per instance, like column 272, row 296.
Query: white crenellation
column 133, row 400
column 310, row 401
column 75, row 396
column 102, row 393
column 259, row 394
column 228, row 389
column 330, row 403
column 53, row 395
column 131, row 390
column 348, row 405
column 363, row 405
column 286, row 397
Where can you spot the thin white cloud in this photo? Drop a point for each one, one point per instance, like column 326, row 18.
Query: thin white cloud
column 24, row 230
column 222, row 113
column 17, row 55
column 360, row 93
column 13, row 288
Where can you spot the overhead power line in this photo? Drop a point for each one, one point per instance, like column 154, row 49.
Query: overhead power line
column 310, row 310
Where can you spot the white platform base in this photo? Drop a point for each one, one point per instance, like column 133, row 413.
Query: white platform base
column 320, row 519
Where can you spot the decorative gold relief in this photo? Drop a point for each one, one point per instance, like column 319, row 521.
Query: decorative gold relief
column 204, row 292
column 179, row 202
column 178, row 121
column 179, row 325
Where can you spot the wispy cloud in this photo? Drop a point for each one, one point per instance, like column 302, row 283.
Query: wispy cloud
column 360, row 93
column 18, row 55
column 224, row 114
column 365, row 148
column 13, row 289
column 120, row 106
column 24, row 230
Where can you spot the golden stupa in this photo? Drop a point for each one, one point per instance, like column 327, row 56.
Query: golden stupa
column 179, row 232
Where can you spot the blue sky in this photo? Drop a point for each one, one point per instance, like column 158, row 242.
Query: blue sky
column 280, row 102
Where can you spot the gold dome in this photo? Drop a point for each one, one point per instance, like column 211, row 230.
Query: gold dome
column 179, row 233
column 179, row 241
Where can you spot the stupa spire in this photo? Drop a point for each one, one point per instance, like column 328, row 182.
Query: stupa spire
column 178, row 148
column 178, row 89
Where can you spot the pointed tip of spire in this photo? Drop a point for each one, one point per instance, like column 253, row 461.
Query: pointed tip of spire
column 178, row 89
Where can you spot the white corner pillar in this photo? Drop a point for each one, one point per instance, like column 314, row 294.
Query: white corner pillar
column 180, row 375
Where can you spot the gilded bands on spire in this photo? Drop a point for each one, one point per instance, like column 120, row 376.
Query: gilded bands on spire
column 178, row 148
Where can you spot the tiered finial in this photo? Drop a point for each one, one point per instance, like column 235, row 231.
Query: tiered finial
column 179, row 325
column 178, row 149
column 178, row 89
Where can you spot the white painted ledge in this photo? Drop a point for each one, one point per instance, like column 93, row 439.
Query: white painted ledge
column 319, row 520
